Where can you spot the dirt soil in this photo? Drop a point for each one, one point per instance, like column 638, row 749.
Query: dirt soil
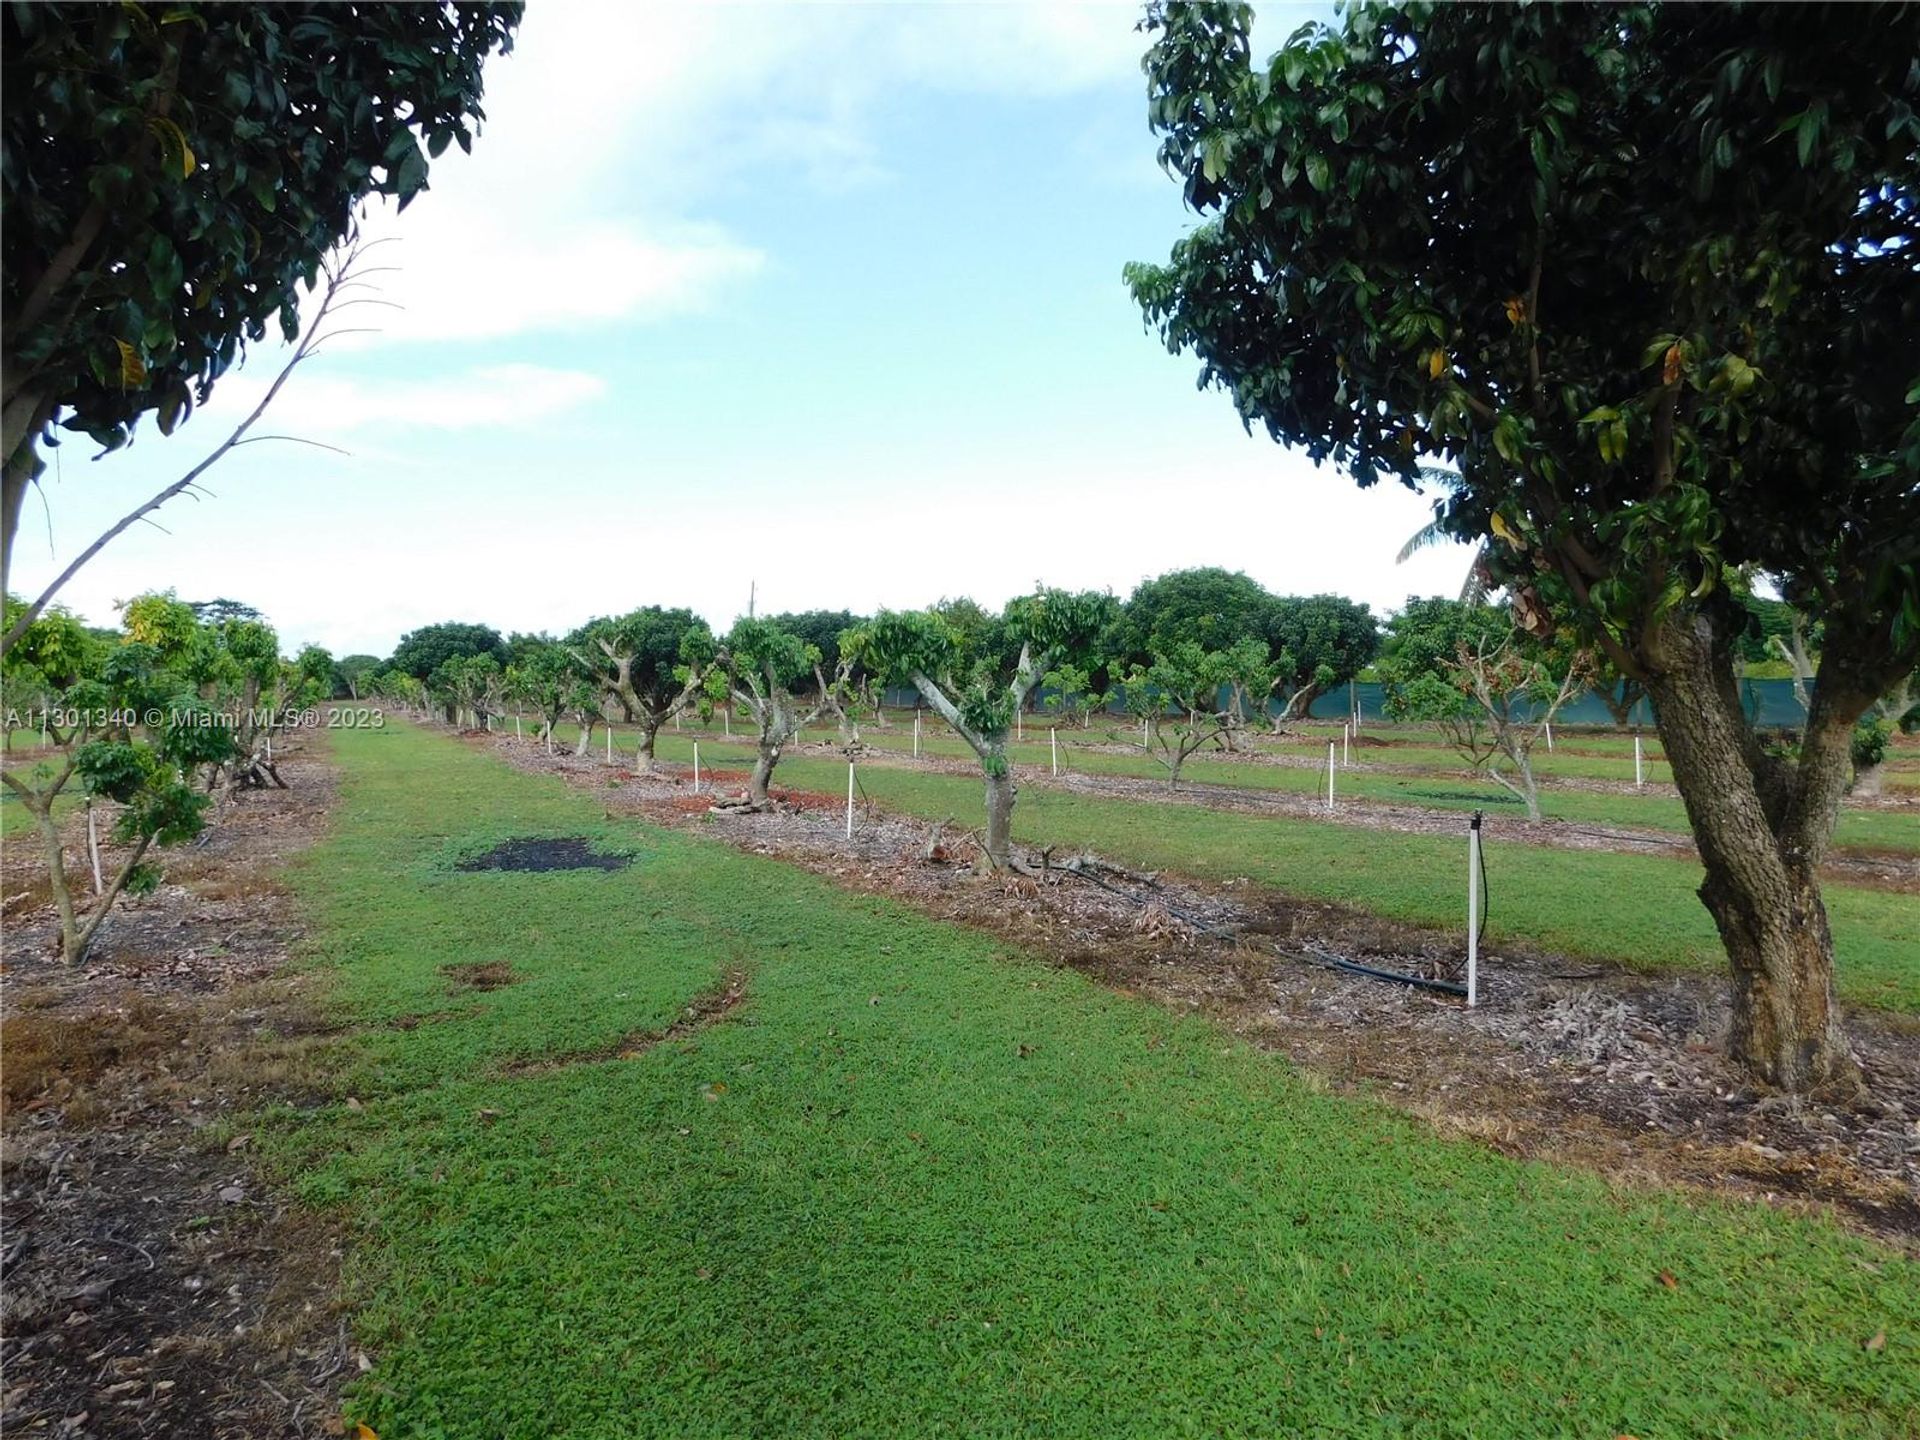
column 153, row 1286
column 1598, row 1066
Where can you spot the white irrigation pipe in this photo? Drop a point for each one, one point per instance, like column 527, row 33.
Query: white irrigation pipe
column 849, row 799
column 1053, row 739
column 93, row 849
column 1639, row 764
column 696, row 767
column 1329, row 775
column 1473, row 912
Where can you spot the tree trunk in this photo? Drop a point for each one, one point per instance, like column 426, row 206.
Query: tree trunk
column 1870, row 780
column 55, row 856
column 762, row 774
column 1299, row 704
column 25, row 414
column 649, row 728
column 586, row 737
column 1001, row 793
column 1761, row 826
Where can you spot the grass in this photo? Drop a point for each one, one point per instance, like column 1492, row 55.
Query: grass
column 1450, row 784
column 1640, row 910
column 916, row 1185
column 1449, row 787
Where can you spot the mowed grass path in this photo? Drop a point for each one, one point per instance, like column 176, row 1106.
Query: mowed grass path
column 1640, row 910
column 916, row 1185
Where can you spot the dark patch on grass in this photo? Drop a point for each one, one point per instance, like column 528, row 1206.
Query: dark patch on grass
column 481, row 974
column 706, row 1008
column 1474, row 795
column 539, row 854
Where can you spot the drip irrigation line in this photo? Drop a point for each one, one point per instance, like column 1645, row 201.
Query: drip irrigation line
column 1486, row 895
column 1340, row 962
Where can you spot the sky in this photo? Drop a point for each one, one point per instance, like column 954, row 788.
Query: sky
column 815, row 303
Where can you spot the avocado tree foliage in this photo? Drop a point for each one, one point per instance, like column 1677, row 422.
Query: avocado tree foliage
column 1489, row 688
column 979, row 678
column 173, row 175
column 1315, row 641
column 1179, row 696
column 649, row 662
column 1644, row 278
column 127, row 726
column 423, row 651
column 1318, row 642
column 545, row 675
column 764, row 662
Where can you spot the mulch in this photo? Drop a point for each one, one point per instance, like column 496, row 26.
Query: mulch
column 153, row 1284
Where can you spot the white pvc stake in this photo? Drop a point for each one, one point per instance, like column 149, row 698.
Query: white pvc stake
column 726, row 719
column 916, row 734
column 93, row 849
column 1549, row 737
column 1143, row 733
column 1473, row 913
column 1329, row 775
column 696, row 767
column 269, row 747
column 1053, row 739
column 849, row 800
column 516, row 727
column 1346, row 740
column 1639, row 764
column 1019, row 726
column 609, row 744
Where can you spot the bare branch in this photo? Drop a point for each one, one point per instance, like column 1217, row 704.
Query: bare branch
column 186, row 482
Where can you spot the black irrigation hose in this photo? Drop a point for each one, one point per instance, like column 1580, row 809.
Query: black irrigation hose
column 1486, row 895
column 1340, row 962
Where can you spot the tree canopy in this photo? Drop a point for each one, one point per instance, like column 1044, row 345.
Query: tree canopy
column 173, row 175
column 1643, row 277
column 423, row 651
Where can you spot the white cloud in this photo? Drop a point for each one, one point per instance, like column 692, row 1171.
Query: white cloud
column 459, row 280
column 329, row 407
column 610, row 126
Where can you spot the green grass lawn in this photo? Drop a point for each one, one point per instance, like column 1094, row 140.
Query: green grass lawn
column 1404, row 746
column 918, row 1186
column 1640, row 910
column 1451, row 788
